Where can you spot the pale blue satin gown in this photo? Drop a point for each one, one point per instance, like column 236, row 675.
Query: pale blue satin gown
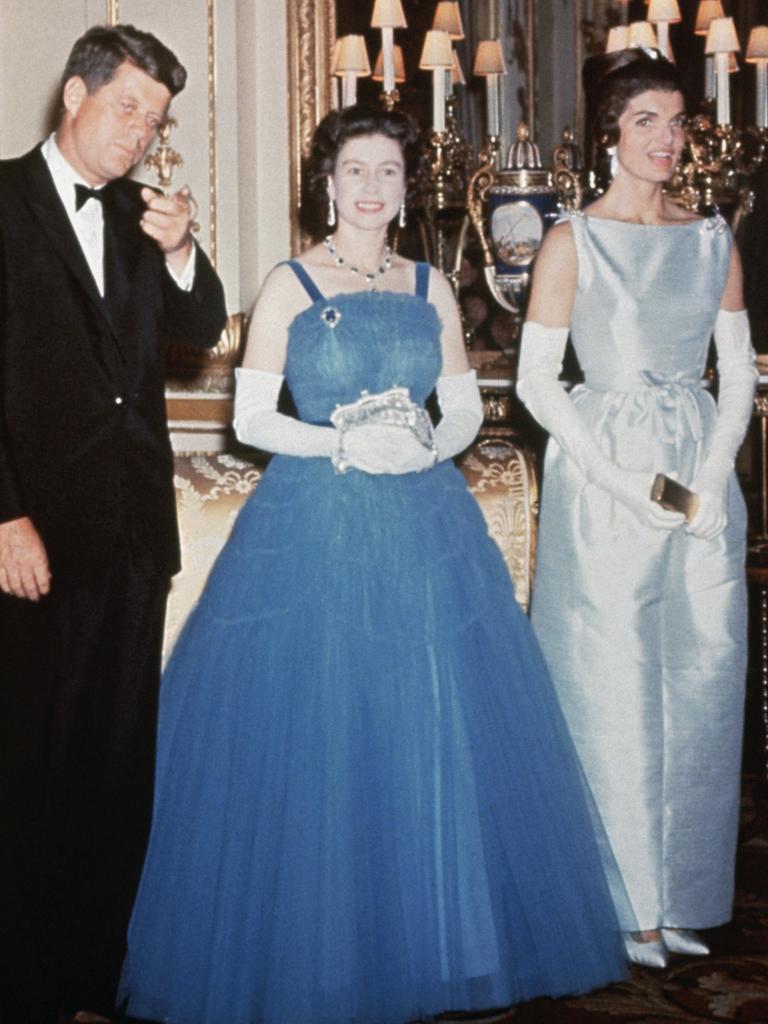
column 644, row 631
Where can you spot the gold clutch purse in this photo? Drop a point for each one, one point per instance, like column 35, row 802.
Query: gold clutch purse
column 672, row 495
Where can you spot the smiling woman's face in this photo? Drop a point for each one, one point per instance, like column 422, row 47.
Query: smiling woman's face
column 368, row 181
column 652, row 135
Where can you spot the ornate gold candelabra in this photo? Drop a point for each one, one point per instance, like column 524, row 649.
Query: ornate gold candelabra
column 444, row 220
column 164, row 159
column 717, row 166
column 390, row 99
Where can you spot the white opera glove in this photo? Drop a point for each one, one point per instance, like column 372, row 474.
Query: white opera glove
column 462, row 413
column 540, row 389
column 385, row 448
column 737, row 377
column 257, row 421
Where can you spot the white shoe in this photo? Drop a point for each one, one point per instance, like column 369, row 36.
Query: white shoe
column 684, row 940
column 646, row 954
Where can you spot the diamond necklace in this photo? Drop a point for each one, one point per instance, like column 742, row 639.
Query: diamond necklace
column 369, row 276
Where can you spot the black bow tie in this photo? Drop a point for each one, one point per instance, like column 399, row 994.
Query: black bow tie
column 83, row 194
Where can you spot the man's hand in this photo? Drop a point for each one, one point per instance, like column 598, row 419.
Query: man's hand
column 24, row 568
column 168, row 220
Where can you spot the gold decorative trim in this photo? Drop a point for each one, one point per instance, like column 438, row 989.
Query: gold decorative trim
column 311, row 32
column 212, row 163
column 113, row 12
column 502, row 478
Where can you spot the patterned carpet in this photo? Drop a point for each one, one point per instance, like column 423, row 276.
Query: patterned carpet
column 730, row 985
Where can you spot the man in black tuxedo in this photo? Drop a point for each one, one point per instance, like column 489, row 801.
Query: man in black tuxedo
column 96, row 275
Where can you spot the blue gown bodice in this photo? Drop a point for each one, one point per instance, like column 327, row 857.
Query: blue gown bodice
column 398, row 345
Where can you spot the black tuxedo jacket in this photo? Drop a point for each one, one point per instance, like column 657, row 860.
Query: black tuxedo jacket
column 83, row 431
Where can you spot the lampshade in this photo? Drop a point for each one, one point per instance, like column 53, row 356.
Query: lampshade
column 708, row 9
column 352, row 57
column 641, row 34
column 378, row 70
column 335, row 55
column 489, row 58
column 388, row 14
column 757, row 47
column 664, row 10
column 617, row 38
column 448, row 18
column 437, row 51
column 722, row 37
column 457, row 75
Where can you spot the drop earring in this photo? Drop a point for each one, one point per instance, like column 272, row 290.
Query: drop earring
column 614, row 161
column 331, row 219
column 401, row 218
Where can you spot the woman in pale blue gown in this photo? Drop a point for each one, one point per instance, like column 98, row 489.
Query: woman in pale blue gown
column 641, row 614
column 368, row 807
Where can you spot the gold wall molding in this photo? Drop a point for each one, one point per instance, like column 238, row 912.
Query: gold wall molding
column 212, row 162
column 311, row 32
column 113, row 12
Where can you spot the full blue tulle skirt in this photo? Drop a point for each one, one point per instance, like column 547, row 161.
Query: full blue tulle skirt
column 368, row 807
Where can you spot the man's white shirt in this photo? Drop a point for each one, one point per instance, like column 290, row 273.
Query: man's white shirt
column 88, row 221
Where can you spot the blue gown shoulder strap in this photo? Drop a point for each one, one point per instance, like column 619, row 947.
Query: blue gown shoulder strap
column 422, row 280
column 309, row 285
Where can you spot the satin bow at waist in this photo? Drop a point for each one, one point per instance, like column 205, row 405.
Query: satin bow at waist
column 672, row 404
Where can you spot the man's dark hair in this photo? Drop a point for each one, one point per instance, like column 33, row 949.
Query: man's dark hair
column 98, row 54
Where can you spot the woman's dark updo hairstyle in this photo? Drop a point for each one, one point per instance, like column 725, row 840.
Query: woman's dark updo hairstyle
column 340, row 126
column 612, row 79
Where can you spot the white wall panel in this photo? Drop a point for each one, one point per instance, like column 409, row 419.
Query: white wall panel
column 233, row 139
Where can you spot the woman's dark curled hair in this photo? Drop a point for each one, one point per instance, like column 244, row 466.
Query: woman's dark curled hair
column 340, row 126
column 612, row 79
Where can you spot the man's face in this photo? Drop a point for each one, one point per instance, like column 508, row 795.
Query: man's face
column 103, row 134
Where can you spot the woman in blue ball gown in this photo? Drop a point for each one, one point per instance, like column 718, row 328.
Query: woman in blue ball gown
column 368, row 806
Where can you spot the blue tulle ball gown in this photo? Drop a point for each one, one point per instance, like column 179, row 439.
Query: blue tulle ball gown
column 368, row 809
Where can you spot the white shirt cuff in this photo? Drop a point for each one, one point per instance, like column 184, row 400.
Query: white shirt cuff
column 186, row 278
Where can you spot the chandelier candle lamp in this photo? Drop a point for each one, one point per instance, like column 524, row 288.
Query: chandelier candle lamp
column 351, row 63
column 378, row 68
column 722, row 41
column 489, row 64
column 663, row 13
column 757, row 54
column 641, row 33
column 448, row 19
column 707, row 10
column 618, row 38
column 387, row 16
column 437, row 57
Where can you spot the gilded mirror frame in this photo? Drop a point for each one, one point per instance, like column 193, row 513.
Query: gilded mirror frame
column 311, row 31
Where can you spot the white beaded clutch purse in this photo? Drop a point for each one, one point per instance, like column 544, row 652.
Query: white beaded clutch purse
column 392, row 408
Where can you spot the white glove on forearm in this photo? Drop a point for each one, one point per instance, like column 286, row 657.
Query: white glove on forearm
column 257, row 421
column 539, row 387
column 737, row 376
column 462, row 413
column 380, row 448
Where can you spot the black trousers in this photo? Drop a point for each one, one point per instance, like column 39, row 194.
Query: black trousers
column 79, row 680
